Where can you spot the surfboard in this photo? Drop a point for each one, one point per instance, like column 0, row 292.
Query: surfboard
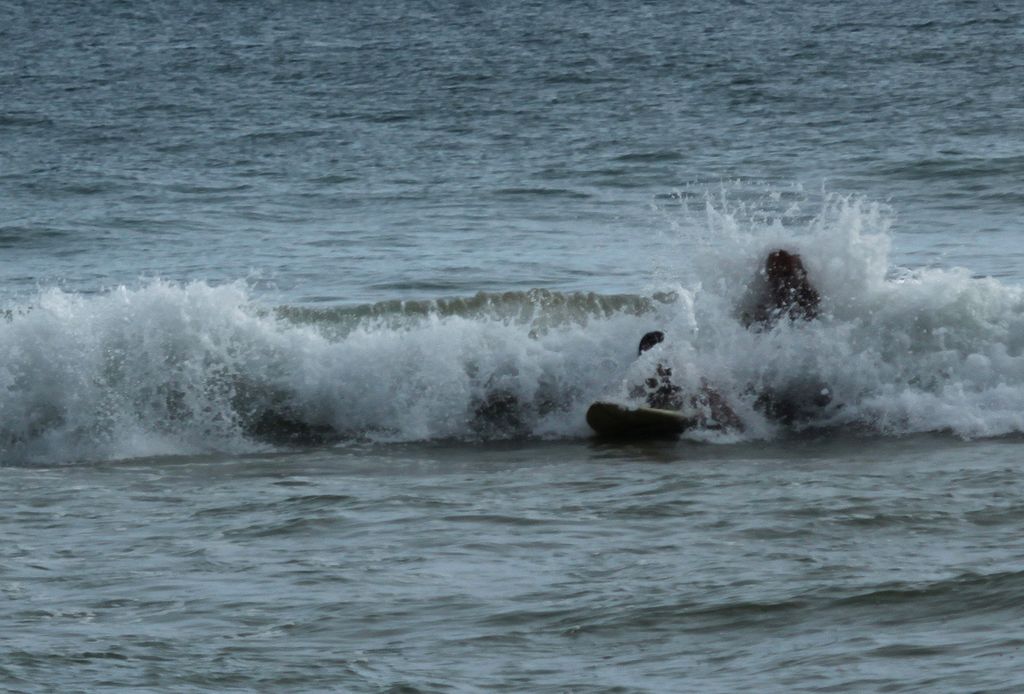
column 614, row 420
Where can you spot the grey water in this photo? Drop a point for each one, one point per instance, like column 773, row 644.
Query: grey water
column 266, row 270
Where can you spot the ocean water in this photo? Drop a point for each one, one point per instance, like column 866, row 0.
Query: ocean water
column 303, row 306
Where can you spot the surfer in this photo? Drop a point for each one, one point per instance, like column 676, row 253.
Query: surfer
column 658, row 390
column 786, row 292
column 660, row 393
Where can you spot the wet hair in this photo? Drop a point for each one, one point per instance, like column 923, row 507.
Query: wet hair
column 784, row 266
column 789, row 290
column 649, row 340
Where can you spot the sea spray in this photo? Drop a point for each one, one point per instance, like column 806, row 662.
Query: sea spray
column 898, row 350
column 165, row 368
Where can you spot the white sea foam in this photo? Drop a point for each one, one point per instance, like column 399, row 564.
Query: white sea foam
column 167, row 369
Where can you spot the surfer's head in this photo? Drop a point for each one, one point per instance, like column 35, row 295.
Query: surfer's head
column 783, row 267
column 649, row 340
column 788, row 287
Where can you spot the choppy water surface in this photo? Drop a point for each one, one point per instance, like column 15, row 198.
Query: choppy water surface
column 352, row 152
column 809, row 565
column 303, row 305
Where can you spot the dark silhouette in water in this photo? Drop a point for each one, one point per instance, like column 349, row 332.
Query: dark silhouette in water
column 800, row 403
column 649, row 340
column 787, row 292
column 660, row 393
column 499, row 414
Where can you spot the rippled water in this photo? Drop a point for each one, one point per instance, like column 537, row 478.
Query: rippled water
column 809, row 565
column 353, row 152
column 303, row 306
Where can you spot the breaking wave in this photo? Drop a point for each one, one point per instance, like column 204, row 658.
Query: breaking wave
column 168, row 369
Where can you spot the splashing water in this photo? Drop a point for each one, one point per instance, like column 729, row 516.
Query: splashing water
column 169, row 369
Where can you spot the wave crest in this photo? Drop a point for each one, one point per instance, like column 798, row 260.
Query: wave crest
column 175, row 369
